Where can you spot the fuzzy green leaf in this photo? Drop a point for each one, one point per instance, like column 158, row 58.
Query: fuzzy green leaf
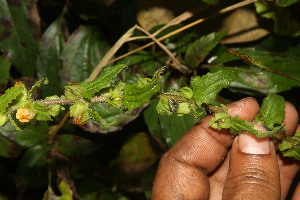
column 271, row 112
column 103, row 81
column 199, row 49
column 74, row 92
column 10, row 95
column 207, row 87
column 135, row 95
column 42, row 113
column 291, row 146
column 236, row 126
column 163, row 107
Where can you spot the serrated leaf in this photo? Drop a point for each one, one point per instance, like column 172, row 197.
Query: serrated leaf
column 48, row 62
column 74, row 146
column 271, row 113
column 135, row 95
column 103, row 81
column 8, row 148
column 10, row 95
column 199, row 49
column 238, row 126
column 163, row 107
column 82, row 52
column 207, row 87
column 42, row 113
column 19, row 33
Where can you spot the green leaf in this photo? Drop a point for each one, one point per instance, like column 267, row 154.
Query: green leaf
column 82, row 52
column 4, row 68
column 253, row 80
column 74, row 146
column 42, row 113
column 74, row 92
column 236, row 126
column 271, row 113
column 170, row 128
column 103, row 81
column 19, row 33
column 285, row 23
column 163, row 107
column 285, row 3
column 33, row 164
column 32, row 136
column 199, row 49
column 291, row 146
column 48, row 62
column 8, row 148
column 141, row 64
column 135, row 95
column 10, row 95
column 137, row 154
column 207, row 87
column 54, row 110
column 110, row 115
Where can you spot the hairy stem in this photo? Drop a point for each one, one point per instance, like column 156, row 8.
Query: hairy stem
column 69, row 101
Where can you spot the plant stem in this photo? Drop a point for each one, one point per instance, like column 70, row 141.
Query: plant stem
column 69, row 101
column 172, row 97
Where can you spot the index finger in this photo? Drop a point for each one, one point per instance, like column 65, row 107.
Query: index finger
column 182, row 173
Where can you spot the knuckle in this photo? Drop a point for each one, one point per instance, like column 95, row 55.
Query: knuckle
column 255, row 182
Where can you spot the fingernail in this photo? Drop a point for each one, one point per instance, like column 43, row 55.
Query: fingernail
column 249, row 144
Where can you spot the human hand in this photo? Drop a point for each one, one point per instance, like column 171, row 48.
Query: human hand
column 201, row 164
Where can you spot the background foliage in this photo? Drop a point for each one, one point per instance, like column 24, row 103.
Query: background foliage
column 64, row 41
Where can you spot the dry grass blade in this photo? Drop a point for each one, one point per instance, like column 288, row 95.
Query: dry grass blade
column 177, row 64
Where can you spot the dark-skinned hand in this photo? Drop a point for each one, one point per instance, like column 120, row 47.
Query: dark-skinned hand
column 209, row 164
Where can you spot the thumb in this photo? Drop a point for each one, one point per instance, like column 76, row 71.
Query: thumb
column 253, row 171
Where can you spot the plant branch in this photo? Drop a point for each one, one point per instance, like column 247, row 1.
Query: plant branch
column 69, row 101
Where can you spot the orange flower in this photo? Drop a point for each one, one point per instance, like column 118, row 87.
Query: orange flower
column 24, row 115
column 18, row 83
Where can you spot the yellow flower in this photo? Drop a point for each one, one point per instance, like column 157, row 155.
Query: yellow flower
column 24, row 114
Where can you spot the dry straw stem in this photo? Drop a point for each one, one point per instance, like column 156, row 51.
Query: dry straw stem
column 127, row 36
column 177, row 64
